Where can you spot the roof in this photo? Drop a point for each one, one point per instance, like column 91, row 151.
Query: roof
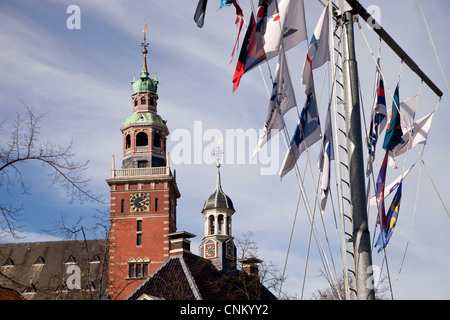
column 218, row 199
column 144, row 117
column 190, row 277
column 10, row 294
column 42, row 270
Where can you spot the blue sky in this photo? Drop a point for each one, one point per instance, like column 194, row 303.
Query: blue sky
column 81, row 78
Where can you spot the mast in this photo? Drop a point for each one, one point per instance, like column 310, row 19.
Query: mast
column 361, row 234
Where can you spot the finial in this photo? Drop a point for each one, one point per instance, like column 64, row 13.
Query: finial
column 144, row 51
column 218, row 153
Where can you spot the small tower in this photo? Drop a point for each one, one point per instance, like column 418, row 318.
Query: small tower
column 217, row 244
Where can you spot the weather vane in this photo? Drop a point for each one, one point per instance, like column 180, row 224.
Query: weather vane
column 218, row 153
column 145, row 43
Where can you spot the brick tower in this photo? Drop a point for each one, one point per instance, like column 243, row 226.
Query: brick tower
column 144, row 192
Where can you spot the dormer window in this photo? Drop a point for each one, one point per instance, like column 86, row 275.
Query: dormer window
column 8, row 263
column 71, row 260
column 39, row 261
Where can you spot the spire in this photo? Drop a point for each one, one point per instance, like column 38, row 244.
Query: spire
column 218, row 199
column 144, row 72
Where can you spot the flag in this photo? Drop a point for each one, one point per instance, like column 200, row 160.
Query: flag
column 252, row 51
column 240, row 66
column 408, row 112
column 225, row 3
column 392, row 186
column 392, row 217
column 381, row 181
column 306, row 133
column 199, row 16
column 281, row 100
column 394, row 133
column 325, row 157
column 256, row 54
column 286, row 24
column 239, row 23
column 416, row 135
column 378, row 121
column 318, row 51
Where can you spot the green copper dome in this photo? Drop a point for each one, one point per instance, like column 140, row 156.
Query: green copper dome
column 144, row 84
column 144, row 117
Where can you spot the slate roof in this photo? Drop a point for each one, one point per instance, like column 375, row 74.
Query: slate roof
column 10, row 294
column 218, row 199
column 38, row 270
column 190, row 277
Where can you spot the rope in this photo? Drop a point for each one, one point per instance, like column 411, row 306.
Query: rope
column 434, row 47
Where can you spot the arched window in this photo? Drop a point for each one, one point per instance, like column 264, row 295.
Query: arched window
column 211, row 224
column 220, row 224
column 128, row 142
column 143, row 100
column 141, row 139
column 157, row 140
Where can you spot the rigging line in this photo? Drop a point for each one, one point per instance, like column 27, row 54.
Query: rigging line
column 289, row 246
column 317, row 190
column 412, row 222
column 420, row 156
column 434, row 47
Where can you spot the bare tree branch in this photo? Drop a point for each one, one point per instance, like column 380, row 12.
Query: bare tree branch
column 24, row 146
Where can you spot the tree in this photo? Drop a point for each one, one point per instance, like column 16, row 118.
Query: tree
column 336, row 289
column 24, row 146
column 268, row 272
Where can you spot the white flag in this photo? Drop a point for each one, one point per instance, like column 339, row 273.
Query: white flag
column 418, row 134
column 390, row 188
column 318, row 51
column 306, row 134
column 288, row 24
column 325, row 157
column 407, row 112
column 282, row 100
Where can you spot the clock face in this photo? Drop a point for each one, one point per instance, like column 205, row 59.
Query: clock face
column 210, row 250
column 229, row 251
column 139, row 202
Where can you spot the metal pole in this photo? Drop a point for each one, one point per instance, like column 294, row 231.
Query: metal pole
column 361, row 234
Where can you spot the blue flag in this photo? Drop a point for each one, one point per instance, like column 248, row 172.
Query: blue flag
column 394, row 134
column 392, row 216
column 306, row 134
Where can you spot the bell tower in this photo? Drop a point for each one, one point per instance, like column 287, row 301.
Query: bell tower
column 144, row 192
column 217, row 243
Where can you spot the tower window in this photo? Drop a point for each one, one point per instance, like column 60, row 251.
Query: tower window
column 139, row 239
column 152, row 101
column 139, row 232
column 142, row 164
column 137, row 269
column 122, row 205
column 135, row 102
column 143, row 100
column 141, row 139
column 156, row 204
column 220, row 224
column 157, row 140
column 128, row 142
column 211, row 224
